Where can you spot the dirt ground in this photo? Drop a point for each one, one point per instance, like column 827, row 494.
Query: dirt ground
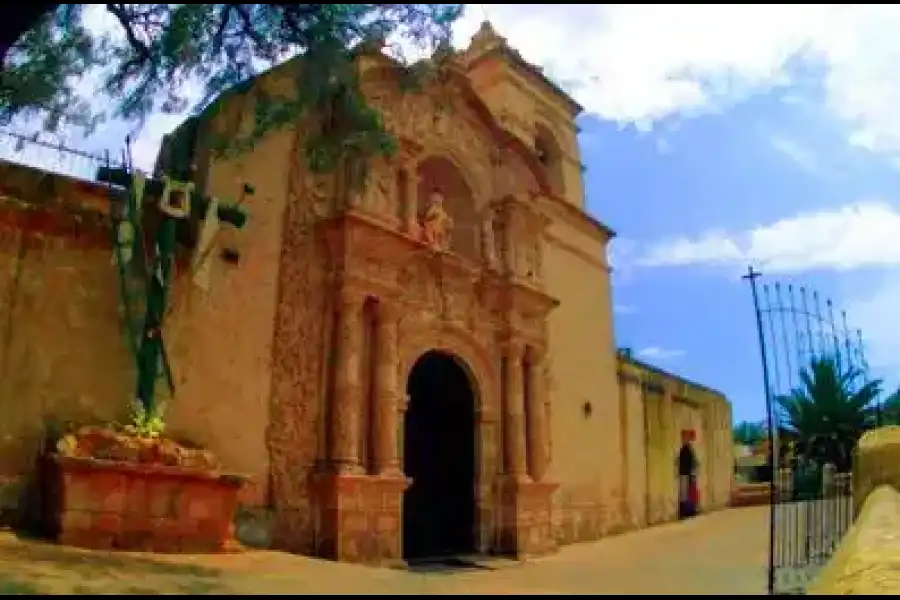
column 723, row 553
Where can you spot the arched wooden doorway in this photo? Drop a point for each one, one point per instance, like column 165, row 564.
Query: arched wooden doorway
column 439, row 457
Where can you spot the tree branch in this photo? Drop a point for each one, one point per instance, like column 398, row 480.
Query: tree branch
column 16, row 21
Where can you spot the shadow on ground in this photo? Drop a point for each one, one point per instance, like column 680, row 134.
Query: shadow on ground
column 34, row 567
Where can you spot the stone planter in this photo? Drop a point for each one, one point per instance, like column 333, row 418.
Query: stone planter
column 114, row 504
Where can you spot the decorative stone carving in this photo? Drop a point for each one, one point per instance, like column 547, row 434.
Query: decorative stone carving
column 488, row 243
column 514, row 415
column 457, row 301
column 348, row 392
column 419, row 117
column 437, row 225
column 319, row 191
column 410, row 206
column 418, row 284
column 532, row 261
column 538, row 450
column 381, row 192
column 425, row 301
column 386, row 430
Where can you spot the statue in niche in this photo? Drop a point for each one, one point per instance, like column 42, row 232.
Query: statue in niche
column 436, row 224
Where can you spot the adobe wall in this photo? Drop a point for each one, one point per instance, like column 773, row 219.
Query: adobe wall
column 586, row 414
column 866, row 560
column 63, row 356
column 63, row 352
column 657, row 407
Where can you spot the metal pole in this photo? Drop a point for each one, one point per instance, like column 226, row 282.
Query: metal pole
column 752, row 276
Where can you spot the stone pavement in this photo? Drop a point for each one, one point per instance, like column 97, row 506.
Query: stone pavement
column 722, row 553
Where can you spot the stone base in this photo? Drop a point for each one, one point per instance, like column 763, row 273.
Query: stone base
column 358, row 517
column 104, row 504
column 526, row 527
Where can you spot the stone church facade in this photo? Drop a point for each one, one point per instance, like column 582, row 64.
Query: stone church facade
column 471, row 243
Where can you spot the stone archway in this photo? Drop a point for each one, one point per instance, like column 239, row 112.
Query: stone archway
column 439, row 457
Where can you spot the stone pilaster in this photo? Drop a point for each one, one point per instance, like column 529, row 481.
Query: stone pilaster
column 386, row 418
column 343, row 449
column 410, row 220
column 358, row 516
column 515, row 451
column 537, row 426
column 488, row 240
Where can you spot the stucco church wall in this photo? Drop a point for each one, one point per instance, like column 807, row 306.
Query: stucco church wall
column 223, row 336
column 635, row 451
column 585, row 398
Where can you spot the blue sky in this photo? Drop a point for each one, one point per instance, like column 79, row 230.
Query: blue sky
column 716, row 136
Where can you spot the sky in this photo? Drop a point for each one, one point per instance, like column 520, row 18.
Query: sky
column 714, row 137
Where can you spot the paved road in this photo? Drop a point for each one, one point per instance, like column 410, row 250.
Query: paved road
column 723, row 553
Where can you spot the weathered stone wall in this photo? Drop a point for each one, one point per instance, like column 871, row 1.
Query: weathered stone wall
column 657, row 406
column 63, row 355
column 867, row 559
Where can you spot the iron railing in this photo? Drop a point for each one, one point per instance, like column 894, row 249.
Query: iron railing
column 42, row 151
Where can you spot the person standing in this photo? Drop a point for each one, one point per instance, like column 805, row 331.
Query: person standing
column 688, row 490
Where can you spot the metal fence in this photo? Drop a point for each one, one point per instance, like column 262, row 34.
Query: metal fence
column 813, row 512
column 42, row 151
column 811, row 505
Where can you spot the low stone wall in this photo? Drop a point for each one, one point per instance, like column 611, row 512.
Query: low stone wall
column 751, row 494
column 868, row 559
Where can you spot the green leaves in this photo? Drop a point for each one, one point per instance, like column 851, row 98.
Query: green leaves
column 42, row 70
column 162, row 48
column 829, row 410
column 749, row 433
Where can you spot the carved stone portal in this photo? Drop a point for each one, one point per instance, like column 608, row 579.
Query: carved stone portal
column 428, row 301
column 376, row 296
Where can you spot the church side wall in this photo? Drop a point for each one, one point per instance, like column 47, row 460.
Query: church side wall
column 222, row 339
column 584, row 393
column 636, row 449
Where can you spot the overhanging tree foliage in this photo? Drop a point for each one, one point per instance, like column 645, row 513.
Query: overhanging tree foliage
column 155, row 50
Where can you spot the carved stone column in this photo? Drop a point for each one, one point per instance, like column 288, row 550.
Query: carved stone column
column 488, row 241
column 387, row 394
column 536, row 414
column 411, row 197
column 402, row 406
column 514, row 413
column 345, row 415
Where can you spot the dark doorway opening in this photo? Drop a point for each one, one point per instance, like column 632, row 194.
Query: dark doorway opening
column 439, row 456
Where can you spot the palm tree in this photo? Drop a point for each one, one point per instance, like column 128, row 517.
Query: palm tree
column 890, row 409
column 749, row 433
column 829, row 411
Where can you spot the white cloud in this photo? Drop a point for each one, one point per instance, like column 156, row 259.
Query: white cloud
column 796, row 151
column 638, row 63
column 864, row 234
column 876, row 314
column 657, row 353
column 625, row 309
